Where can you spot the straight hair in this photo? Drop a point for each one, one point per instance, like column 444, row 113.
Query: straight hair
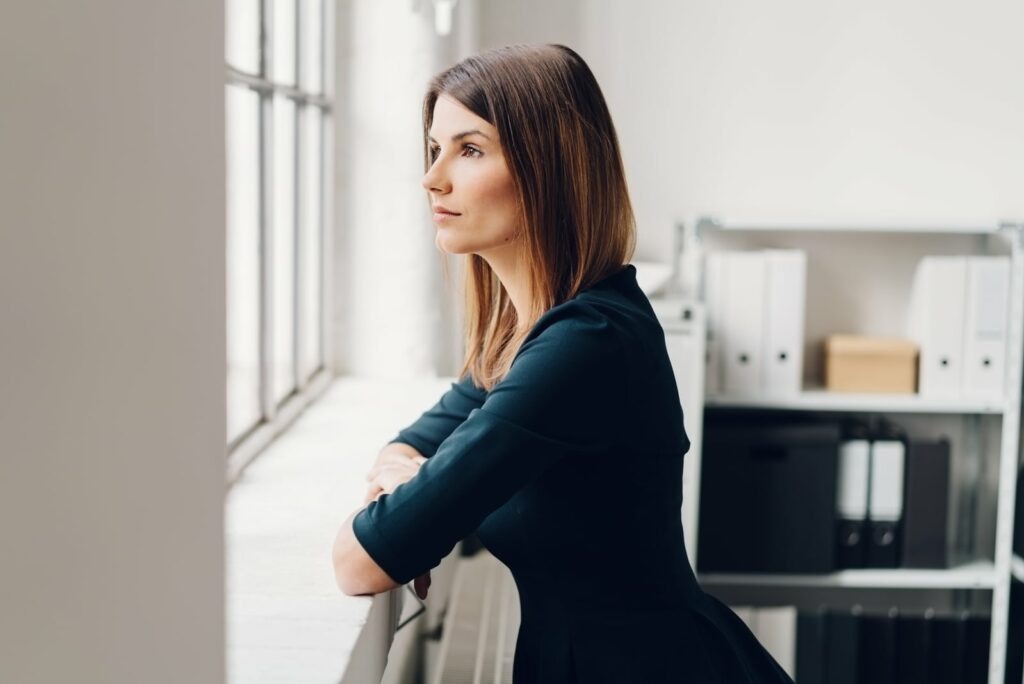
column 578, row 227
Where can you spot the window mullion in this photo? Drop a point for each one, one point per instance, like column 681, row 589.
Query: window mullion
column 322, row 219
column 267, row 403
column 297, row 210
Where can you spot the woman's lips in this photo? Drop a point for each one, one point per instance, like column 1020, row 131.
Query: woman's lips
column 444, row 216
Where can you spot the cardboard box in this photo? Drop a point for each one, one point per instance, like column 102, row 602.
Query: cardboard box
column 855, row 363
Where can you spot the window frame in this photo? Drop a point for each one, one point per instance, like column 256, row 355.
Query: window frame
column 276, row 417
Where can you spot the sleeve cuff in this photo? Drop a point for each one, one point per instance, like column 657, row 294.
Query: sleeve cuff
column 383, row 553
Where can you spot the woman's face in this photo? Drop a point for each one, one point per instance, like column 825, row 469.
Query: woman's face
column 469, row 177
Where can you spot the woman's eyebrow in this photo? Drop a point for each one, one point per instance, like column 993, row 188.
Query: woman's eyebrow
column 461, row 135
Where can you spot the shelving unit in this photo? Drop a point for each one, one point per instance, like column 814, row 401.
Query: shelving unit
column 991, row 576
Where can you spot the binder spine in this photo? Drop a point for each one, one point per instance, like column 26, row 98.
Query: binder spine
column 885, row 501
column 852, row 481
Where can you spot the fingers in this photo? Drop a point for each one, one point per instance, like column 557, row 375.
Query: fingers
column 387, row 479
column 396, row 460
column 372, row 493
column 384, row 477
column 406, row 469
column 421, row 584
column 395, row 457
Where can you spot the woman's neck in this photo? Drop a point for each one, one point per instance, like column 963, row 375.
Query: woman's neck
column 511, row 270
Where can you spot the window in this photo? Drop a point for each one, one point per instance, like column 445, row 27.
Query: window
column 278, row 112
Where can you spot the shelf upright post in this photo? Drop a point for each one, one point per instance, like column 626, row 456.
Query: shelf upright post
column 1008, row 456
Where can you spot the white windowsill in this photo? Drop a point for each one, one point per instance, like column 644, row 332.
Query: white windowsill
column 286, row 618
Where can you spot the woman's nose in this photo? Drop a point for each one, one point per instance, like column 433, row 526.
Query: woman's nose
column 435, row 179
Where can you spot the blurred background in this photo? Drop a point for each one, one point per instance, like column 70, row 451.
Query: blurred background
column 211, row 222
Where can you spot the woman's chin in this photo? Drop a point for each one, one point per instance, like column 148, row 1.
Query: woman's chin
column 450, row 245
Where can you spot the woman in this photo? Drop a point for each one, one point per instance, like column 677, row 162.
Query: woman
column 562, row 445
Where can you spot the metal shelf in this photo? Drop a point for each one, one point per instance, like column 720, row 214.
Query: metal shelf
column 823, row 400
column 975, row 575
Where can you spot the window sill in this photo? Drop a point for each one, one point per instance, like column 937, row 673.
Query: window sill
column 286, row 618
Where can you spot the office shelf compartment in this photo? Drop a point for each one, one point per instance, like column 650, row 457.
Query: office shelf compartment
column 859, row 279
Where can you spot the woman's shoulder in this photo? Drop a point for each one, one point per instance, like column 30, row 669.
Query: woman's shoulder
column 577, row 322
column 601, row 318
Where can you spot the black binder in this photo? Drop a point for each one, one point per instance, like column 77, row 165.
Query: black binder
column 926, row 504
column 842, row 651
column 946, row 650
column 767, row 499
column 877, row 659
column 977, row 634
column 912, row 646
column 810, row 646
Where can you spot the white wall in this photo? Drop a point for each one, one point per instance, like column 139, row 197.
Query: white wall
column 112, row 342
column 873, row 110
column 870, row 111
column 395, row 314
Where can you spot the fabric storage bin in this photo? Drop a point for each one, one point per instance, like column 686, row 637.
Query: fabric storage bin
column 767, row 493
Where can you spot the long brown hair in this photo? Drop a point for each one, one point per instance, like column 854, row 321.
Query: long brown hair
column 561, row 148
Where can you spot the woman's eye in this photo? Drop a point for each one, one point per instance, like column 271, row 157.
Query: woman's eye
column 472, row 152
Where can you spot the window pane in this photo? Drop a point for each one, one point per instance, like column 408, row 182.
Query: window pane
column 284, row 41
column 312, row 45
column 310, row 242
column 284, row 247
column 242, row 35
column 243, row 259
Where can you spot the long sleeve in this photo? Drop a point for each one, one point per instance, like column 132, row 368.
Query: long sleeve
column 439, row 421
column 560, row 399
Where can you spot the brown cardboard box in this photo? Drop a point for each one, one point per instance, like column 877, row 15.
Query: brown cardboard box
column 854, row 363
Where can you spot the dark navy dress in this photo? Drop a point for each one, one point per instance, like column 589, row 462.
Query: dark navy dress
column 570, row 473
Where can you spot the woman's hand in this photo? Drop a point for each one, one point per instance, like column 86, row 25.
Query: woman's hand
column 392, row 469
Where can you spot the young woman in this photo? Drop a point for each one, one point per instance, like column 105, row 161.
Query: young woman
column 562, row 445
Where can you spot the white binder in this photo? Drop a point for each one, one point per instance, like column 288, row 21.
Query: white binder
column 775, row 628
column 852, row 491
column 985, row 332
column 852, row 480
column 885, row 502
column 938, row 317
column 785, row 295
column 714, row 265
column 742, row 322
column 684, row 323
column 746, row 613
